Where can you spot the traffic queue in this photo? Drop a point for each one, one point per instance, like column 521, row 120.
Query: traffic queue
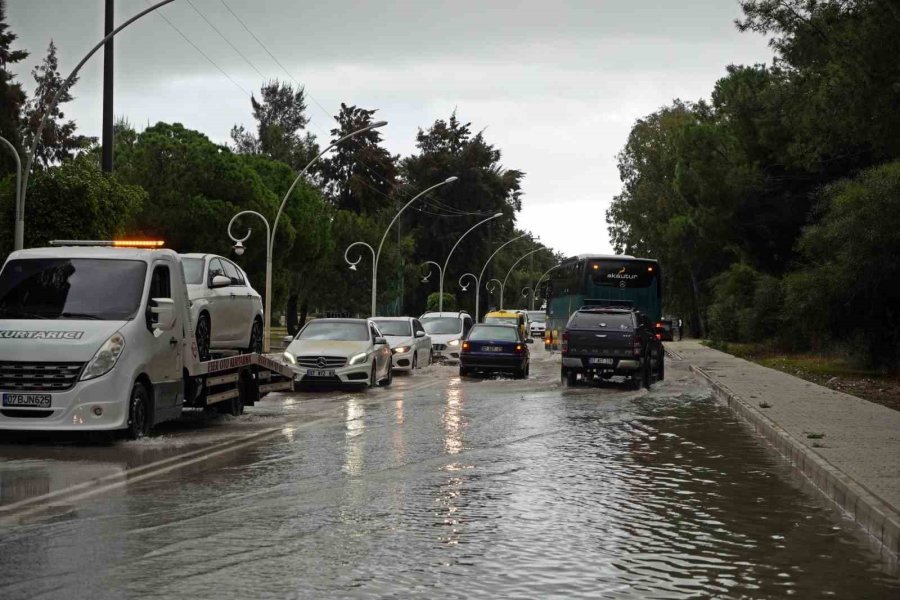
column 187, row 331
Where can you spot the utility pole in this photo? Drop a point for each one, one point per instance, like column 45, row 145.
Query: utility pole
column 106, row 162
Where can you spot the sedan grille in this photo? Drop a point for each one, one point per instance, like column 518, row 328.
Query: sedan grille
column 321, row 362
column 439, row 347
column 38, row 377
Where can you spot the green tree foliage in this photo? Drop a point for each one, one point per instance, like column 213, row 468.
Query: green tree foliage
column 58, row 139
column 725, row 193
column 448, row 148
column 434, row 302
column 12, row 98
column 360, row 175
column 848, row 284
column 192, row 181
column 280, row 116
column 72, row 201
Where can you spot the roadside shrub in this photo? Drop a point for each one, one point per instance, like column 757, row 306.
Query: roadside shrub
column 434, row 302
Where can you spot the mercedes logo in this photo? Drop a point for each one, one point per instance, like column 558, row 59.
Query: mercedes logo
column 321, row 362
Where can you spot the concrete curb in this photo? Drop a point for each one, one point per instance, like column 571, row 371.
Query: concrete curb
column 873, row 515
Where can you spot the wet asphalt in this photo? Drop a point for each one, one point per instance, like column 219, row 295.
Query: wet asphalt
column 434, row 487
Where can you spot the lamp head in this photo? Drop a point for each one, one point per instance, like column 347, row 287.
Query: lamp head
column 451, row 179
column 465, row 288
column 353, row 267
column 499, row 214
column 239, row 248
column 379, row 124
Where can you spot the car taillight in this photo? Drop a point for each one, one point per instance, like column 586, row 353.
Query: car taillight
column 636, row 349
column 519, row 347
column 659, row 336
column 564, row 347
column 466, row 346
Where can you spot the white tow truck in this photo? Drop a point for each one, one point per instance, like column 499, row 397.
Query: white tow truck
column 97, row 336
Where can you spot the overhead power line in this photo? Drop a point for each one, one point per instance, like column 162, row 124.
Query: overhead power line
column 197, row 48
column 227, row 41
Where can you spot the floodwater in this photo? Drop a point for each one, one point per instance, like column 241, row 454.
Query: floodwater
column 442, row 488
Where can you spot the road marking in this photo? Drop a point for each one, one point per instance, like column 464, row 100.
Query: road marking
column 86, row 489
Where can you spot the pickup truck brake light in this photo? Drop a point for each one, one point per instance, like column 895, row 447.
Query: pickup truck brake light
column 564, row 347
column 636, row 348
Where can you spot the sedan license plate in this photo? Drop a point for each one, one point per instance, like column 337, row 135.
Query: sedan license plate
column 492, row 348
column 320, row 372
column 27, row 400
column 600, row 361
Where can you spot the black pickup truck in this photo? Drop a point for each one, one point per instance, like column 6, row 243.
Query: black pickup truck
column 611, row 342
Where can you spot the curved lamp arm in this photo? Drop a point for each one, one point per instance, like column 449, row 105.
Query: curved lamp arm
column 463, row 276
column 353, row 263
column 431, row 262
column 491, row 288
column 249, row 230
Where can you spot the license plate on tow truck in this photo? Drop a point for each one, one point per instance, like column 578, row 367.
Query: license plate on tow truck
column 601, row 361
column 27, row 400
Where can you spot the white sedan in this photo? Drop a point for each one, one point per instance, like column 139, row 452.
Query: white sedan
column 340, row 351
column 227, row 312
column 408, row 340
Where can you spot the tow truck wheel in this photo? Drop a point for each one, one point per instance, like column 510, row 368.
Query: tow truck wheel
column 203, row 336
column 138, row 412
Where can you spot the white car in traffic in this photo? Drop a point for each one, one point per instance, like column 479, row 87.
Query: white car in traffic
column 447, row 331
column 340, row 351
column 227, row 312
column 410, row 344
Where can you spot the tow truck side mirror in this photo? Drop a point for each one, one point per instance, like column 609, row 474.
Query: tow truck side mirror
column 162, row 313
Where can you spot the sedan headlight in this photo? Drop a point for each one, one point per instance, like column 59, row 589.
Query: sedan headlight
column 453, row 343
column 105, row 358
column 401, row 350
column 290, row 358
column 358, row 359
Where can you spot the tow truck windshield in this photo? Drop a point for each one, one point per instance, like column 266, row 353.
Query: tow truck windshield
column 71, row 288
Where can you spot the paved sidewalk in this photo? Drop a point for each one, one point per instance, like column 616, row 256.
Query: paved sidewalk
column 856, row 463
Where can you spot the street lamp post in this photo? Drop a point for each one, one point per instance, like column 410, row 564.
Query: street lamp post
column 377, row 255
column 356, row 262
column 508, row 273
column 19, row 239
column 239, row 250
column 491, row 288
column 446, row 262
column 538, row 283
column 62, row 89
column 484, row 268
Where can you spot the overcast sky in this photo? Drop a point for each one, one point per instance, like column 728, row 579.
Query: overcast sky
column 555, row 85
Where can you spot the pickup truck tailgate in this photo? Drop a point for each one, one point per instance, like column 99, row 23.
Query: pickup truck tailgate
column 599, row 342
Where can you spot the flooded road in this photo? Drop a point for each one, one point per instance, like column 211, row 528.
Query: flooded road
column 436, row 487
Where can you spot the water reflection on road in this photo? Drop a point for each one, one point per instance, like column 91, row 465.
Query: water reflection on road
column 451, row 488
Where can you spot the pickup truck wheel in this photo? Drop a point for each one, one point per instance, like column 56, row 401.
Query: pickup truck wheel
column 463, row 372
column 646, row 373
column 138, row 412
column 203, row 337
column 570, row 377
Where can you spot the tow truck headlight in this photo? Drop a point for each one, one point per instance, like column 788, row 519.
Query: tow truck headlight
column 358, row 359
column 105, row 358
column 453, row 343
column 401, row 350
column 290, row 358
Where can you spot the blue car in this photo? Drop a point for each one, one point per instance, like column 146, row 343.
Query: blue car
column 492, row 348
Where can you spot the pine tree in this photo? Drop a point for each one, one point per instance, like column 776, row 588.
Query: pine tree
column 12, row 98
column 58, row 140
